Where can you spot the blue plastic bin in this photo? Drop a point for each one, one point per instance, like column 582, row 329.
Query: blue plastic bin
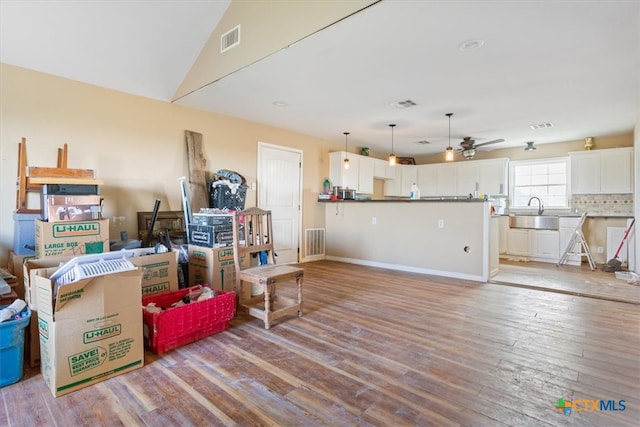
column 12, row 348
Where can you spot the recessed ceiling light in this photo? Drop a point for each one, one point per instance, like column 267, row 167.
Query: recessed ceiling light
column 471, row 44
column 280, row 104
column 541, row 126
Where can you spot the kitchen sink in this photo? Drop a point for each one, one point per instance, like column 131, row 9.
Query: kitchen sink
column 536, row 222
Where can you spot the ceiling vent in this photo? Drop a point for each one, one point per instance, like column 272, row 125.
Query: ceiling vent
column 230, row 39
column 403, row 104
column 423, row 142
column 541, row 126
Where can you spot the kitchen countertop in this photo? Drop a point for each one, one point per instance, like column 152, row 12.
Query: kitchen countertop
column 461, row 199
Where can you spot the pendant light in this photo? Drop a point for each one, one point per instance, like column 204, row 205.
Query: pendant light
column 448, row 153
column 346, row 153
column 392, row 157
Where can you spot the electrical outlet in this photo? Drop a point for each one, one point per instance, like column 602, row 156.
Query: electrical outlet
column 374, row 220
column 600, row 249
column 441, row 223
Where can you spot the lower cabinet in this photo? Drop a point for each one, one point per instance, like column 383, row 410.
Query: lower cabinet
column 538, row 244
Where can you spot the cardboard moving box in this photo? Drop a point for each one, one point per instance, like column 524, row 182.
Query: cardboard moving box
column 213, row 267
column 160, row 271
column 91, row 331
column 71, row 238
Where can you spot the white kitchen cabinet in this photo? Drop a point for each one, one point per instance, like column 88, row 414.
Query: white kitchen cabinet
column 393, row 186
column 545, row 244
column 616, row 170
column 487, row 176
column 341, row 177
column 602, row 171
column 365, row 174
column 382, row 170
column 503, row 227
column 408, row 176
column 467, row 174
column 492, row 177
column 519, row 242
column 538, row 244
column 427, row 180
column 445, row 179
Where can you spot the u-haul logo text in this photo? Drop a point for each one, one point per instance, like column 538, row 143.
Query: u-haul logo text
column 75, row 229
column 101, row 334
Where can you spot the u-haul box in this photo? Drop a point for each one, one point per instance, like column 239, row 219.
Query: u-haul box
column 71, row 238
column 91, row 330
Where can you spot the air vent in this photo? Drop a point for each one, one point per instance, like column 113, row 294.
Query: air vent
column 423, row 142
column 541, row 126
column 230, row 39
column 314, row 243
column 403, row 104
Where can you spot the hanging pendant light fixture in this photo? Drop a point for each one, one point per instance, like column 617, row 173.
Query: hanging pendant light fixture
column 448, row 153
column 392, row 157
column 346, row 153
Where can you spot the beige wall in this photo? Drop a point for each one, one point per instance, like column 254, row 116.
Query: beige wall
column 136, row 146
column 406, row 235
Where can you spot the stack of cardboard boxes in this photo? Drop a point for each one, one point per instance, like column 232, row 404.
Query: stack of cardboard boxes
column 211, row 251
column 92, row 330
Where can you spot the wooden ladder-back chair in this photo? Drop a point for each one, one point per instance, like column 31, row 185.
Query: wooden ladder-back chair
column 253, row 234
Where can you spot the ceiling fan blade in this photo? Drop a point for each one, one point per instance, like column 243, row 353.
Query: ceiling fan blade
column 495, row 141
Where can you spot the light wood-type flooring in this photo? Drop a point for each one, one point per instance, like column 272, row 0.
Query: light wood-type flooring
column 572, row 280
column 377, row 347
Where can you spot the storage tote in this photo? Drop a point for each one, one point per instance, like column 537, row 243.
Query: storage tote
column 176, row 326
column 12, row 348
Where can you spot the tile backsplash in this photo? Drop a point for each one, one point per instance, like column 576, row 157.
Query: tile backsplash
column 604, row 204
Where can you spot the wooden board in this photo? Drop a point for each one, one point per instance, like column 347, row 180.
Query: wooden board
column 42, row 172
column 197, row 171
column 63, row 180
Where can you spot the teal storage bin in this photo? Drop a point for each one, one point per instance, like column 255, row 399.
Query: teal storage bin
column 12, row 348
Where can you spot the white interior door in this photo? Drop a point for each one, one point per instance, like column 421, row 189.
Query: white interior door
column 279, row 189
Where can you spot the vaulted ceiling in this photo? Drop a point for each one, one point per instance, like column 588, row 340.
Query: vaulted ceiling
column 323, row 68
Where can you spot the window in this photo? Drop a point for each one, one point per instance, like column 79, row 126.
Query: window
column 543, row 178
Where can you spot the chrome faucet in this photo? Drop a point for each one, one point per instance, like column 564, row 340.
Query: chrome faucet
column 540, row 205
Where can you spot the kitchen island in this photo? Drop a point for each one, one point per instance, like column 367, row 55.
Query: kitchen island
column 451, row 238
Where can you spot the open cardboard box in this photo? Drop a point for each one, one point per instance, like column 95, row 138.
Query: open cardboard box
column 91, row 330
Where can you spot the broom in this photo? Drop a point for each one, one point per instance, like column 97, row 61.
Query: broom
column 614, row 264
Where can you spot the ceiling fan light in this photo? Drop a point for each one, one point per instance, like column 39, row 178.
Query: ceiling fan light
column 448, row 154
column 468, row 154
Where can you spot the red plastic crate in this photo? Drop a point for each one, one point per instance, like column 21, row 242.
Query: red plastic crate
column 182, row 325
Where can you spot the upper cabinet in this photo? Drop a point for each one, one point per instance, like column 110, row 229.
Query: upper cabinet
column 492, row 177
column 361, row 172
column 365, row 174
column 341, row 177
column 463, row 178
column 602, row 171
column 427, row 180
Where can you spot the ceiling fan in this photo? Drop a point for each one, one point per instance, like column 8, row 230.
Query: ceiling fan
column 468, row 146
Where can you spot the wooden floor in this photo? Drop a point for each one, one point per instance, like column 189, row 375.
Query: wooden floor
column 376, row 347
column 572, row 280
